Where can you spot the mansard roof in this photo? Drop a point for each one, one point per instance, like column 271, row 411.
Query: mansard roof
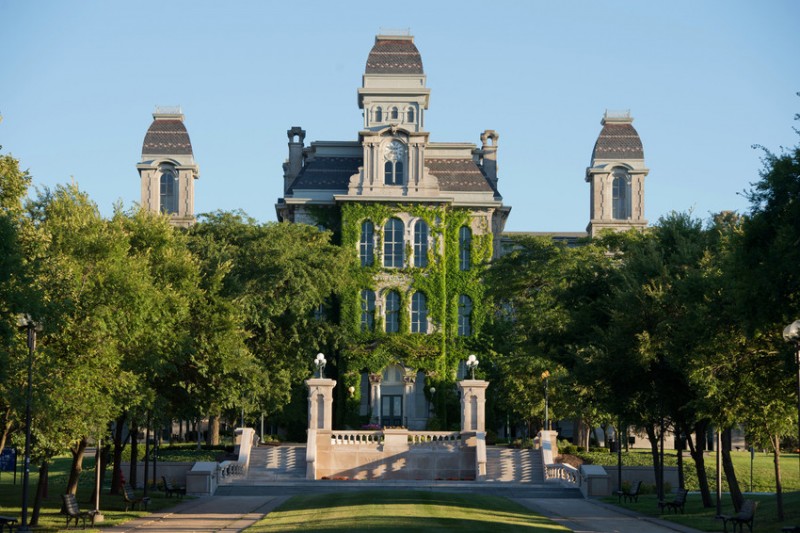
column 618, row 140
column 394, row 55
column 167, row 136
column 459, row 175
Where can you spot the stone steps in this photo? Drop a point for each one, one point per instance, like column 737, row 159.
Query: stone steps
column 286, row 462
column 510, row 465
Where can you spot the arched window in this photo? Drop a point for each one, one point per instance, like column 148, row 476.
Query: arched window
column 395, row 116
column 464, row 248
column 366, row 247
column 410, row 115
column 394, row 156
column 169, row 190
column 621, row 189
column 464, row 316
column 420, row 244
column 393, row 243
column 367, row 310
column 419, row 313
column 392, row 312
column 378, row 115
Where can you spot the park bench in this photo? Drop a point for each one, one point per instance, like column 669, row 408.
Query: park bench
column 74, row 512
column 170, row 489
column 630, row 494
column 676, row 503
column 790, row 529
column 8, row 521
column 746, row 515
column 131, row 501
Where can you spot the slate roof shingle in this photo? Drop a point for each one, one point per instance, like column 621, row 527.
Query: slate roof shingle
column 618, row 141
column 392, row 56
column 165, row 137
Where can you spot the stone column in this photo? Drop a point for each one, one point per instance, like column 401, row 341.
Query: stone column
column 409, row 398
column 320, row 403
column 473, row 403
column 375, row 389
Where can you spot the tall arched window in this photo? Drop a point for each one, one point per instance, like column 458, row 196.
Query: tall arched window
column 378, row 115
column 420, row 244
column 394, row 156
column 392, row 312
column 393, row 243
column 464, row 316
column 366, row 247
column 464, row 248
column 419, row 313
column 621, row 189
column 169, row 190
column 395, row 116
column 367, row 310
column 410, row 115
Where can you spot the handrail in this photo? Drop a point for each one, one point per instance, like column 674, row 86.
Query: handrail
column 562, row 472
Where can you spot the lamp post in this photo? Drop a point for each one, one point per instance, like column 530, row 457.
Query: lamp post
column 27, row 323
column 433, row 405
column 472, row 362
column 546, row 378
column 791, row 333
column 320, row 362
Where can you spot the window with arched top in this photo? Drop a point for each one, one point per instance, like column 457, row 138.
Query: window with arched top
column 366, row 246
column 464, row 248
column 394, row 156
column 378, row 114
column 420, row 244
column 621, row 195
column 410, row 115
column 464, row 316
column 419, row 313
column 395, row 115
column 169, row 190
column 392, row 312
column 393, row 243
column 367, row 310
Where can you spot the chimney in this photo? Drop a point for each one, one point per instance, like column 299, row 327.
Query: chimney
column 295, row 164
column 489, row 139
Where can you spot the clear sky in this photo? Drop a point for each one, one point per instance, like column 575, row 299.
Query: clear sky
column 704, row 80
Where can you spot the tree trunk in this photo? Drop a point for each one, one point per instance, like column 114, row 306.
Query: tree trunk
column 133, row 473
column 116, row 474
column 215, row 430
column 681, row 482
column 730, row 474
column 77, row 466
column 775, row 440
column 8, row 423
column 651, row 435
column 41, row 493
column 102, row 458
column 696, row 452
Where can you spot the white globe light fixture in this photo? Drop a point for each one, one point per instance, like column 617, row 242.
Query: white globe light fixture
column 472, row 362
column 320, row 362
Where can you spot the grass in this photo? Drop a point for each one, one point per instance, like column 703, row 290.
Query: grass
column 698, row 517
column 50, row 519
column 402, row 511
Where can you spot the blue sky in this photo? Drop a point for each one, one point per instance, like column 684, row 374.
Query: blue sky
column 704, row 81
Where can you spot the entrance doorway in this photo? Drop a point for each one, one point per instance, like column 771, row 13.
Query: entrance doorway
column 392, row 410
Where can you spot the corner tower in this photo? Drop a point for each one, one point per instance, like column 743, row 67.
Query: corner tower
column 616, row 177
column 167, row 169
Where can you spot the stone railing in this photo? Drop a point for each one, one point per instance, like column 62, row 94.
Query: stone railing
column 434, row 438
column 562, row 472
column 344, row 438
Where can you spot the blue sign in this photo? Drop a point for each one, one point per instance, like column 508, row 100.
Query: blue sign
column 8, row 459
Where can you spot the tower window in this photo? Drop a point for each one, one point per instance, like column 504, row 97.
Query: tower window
column 621, row 190
column 419, row 313
column 392, row 312
column 367, row 310
column 394, row 113
column 394, row 156
column 464, row 316
column 393, row 243
column 366, row 247
column 464, row 248
column 378, row 115
column 420, row 244
column 410, row 115
column 169, row 191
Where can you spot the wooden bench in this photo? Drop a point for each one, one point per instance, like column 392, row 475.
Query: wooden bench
column 677, row 503
column 8, row 521
column 74, row 512
column 131, row 501
column 631, row 494
column 746, row 515
column 170, row 489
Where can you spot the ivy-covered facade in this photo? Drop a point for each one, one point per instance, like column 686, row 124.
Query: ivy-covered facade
column 422, row 220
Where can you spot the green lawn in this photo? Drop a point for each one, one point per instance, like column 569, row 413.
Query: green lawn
column 703, row 519
column 402, row 511
column 50, row 520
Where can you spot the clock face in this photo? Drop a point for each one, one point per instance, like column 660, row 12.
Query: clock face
column 395, row 151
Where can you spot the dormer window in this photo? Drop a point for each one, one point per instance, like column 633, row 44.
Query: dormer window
column 394, row 156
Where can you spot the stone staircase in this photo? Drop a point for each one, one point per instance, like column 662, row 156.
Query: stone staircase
column 268, row 464
column 513, row 465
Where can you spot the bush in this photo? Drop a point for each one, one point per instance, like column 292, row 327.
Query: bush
column 566, row 447
column 491, row 437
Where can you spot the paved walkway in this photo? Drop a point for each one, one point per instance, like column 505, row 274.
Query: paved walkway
column 230, row 514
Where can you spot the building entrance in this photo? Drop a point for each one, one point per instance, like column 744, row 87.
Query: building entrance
column 392, row 410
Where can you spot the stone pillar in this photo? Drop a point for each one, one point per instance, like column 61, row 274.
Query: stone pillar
column 473, row 403
column 375, row 394
column 320, row 403
column 409, row 398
